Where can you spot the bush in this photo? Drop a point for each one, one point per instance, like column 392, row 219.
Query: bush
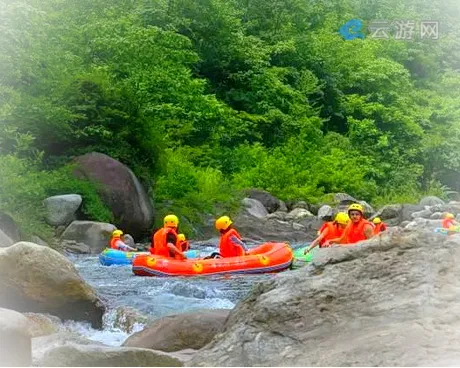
column 23, row 187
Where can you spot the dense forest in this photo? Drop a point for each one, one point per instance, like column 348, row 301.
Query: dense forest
column 204, row 98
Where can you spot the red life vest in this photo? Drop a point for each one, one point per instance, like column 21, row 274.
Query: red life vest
column 355, row 231
column 113, row 243
column 160, row 242
column 333, row 231
column 379, row 228
column 227, row 248
column 447, row 222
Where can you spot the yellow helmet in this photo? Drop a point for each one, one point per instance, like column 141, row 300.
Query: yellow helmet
column 377, row 220
column 356, row 207
column 171, row 221
column 222, row 223
column 342, row 218
column 449, row 216
column 117, row 233
column 181, row 237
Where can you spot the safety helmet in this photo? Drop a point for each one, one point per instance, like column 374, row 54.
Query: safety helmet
column 356, row 207
column 449, row 216
column 377, row 220
column 181, row 237
column 342, row 218
column 171, row 221
column 222, row 223
column 117, row 233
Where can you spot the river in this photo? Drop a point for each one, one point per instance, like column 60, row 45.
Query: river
column 154, row 297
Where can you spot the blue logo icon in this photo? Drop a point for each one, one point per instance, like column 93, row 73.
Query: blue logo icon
column 351, row 30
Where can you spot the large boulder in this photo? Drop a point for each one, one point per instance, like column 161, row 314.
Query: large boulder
column 389, row 301
column 61, row 209
column 184, row 331
column 431, row 201
column 94, row 234
column 5, row 240
column 326, row 213
column 42, row 324
column 78, row 352
column 270, row 202
column 344, row 199
column 9, row 227
column 389, row 211
column 407, row 211
column 120, row 190
column 38, row 279
column 15, row 342
column 277, row 228
column 254, row 207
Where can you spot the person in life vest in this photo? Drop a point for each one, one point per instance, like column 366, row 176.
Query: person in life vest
column 164, row 241
column 230, row 244
column 358, row 229
column 330, row 230
column 379, row 225
column 117, row 243
column 449, row 221
column 182, row 244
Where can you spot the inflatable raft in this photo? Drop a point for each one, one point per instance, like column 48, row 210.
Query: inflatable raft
column 109, row 257
column 268, row 257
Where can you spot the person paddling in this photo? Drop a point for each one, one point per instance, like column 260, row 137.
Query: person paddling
column 358, row 229
column 165, row 239
column 118, row 244
column 330, row 230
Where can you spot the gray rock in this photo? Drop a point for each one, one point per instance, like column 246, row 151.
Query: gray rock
column 9, row 227
column 105, row 356
column 436, row 216
column 423, row 224
column 325, row 213
column 43, row 324
column 368, row 210
column 421, row 214
column 431, row 201
column 15, row 342
column 388, row 301
column 5, row 240
column 77, row 248
column 37, row 240
column 408, row 210
column 61, row 209
column 120, row 190
column 254, row 207
column 300, row 213
column 38, row 279
column 184, row 331
column 301, row 204
column 389, row 211
column 270, row 202
column 283, row 207
column 344, row 199
column 278, row 215
column 94, row 234
column 128, row 239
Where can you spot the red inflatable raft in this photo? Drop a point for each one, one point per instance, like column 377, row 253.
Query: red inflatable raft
column 268, row 257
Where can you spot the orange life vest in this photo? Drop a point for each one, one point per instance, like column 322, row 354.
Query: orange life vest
column 447, row 222
column 160, row 242
column 379, row 228
column 113, row 243
column 333, row 231
column 355, row 231
column 229, row 249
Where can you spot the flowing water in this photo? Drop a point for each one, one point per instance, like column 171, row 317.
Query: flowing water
column 155, row 297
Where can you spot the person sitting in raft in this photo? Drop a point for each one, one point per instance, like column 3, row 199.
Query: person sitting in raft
column 230, row 243
column 118, row 244
column 165, row 239
column 358, row 229
column 449, row 221
column 330, row 230
column 182, row 244
column 379, row 225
